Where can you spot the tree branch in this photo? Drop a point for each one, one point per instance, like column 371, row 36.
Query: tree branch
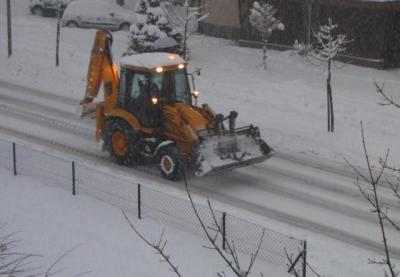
column 159, row 247
column 373, row 199
column 389, row 100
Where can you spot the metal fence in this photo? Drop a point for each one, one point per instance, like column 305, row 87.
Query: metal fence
column 148, row 203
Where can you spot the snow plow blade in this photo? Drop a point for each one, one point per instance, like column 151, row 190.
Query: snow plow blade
column 219, row 152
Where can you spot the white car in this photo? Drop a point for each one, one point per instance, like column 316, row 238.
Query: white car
column 97, row 14
column 47, row 7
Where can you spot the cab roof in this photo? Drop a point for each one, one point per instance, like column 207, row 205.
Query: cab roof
column 150, row 61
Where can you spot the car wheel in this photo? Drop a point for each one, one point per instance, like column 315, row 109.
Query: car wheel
column 72, row 24
column 37, row 10
column 171, row 163
column 125, row 26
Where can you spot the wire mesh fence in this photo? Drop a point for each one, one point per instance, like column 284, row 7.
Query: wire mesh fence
column 247, row 236
column 49, row 170
column 148, row 203
column 6, row 155
column 106, row 187
column 173, row 211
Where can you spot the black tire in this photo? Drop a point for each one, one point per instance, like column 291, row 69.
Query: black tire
column 120, row 141
column 265, row 148
column 38, row 10
column 171, row 163
column 72, row 24
column 125, row 26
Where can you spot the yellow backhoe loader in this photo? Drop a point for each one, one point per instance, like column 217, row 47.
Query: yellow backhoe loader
column 148, row 115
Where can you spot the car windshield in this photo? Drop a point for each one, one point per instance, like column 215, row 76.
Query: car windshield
column 171, row 86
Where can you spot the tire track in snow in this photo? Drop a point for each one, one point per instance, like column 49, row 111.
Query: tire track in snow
column 55, row 122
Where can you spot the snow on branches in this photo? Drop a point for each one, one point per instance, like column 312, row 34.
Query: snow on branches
column 262, row 18
column 329, row 42
column 152, row 24
column 185, row 20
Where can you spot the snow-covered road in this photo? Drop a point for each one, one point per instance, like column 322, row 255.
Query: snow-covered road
column 306, row 190
column 317, row 200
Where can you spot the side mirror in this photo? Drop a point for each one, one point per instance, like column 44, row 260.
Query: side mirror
column 197, row 71
column 112, row 14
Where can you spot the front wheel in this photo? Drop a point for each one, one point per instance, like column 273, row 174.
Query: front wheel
column 120, row 140
column 171, row 163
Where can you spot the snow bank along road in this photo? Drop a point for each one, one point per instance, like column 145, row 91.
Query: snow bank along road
column 302, row 193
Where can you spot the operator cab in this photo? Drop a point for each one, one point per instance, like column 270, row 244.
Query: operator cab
column 150, row 80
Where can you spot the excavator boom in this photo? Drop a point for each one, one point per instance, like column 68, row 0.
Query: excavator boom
column 101, row 70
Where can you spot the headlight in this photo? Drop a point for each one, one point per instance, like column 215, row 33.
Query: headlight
column 196, row 94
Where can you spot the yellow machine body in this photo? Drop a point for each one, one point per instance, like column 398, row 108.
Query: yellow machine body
column 179, row 123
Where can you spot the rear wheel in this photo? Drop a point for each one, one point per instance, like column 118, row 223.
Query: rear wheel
column 37, row 10
column 120, row 141
column 171, row 163
column 72, row 24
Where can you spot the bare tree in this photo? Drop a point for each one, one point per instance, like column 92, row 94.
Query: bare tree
column 262, row 18
column 14, row 263
column 372, row 196
column 292, row 261
column 329, row 44
column 388, row 99
column 229, row 256
column 159, row 246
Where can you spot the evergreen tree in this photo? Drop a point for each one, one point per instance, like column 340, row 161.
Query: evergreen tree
column 262, row 18
column 152, row 24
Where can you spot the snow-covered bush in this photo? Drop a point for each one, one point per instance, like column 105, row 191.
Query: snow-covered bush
column 262, row 18
column 300, row 48
column 152, row 24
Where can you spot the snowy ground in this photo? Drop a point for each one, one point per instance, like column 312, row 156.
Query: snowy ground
column 51, row 222
column 287, row 102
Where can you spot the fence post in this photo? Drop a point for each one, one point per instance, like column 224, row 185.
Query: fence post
column 58, row 33
column 73, row 178
column 9, row 33
column 305, row 258
column 14, row 159
column 223, row 230
column 139, row 202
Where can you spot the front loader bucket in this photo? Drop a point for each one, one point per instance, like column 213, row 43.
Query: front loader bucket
column 229, row 150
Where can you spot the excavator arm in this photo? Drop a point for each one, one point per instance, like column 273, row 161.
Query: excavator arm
column 101, row 70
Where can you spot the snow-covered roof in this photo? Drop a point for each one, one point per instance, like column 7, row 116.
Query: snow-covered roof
column 152, row 60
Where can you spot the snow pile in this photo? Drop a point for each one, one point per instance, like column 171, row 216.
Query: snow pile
column 222, row 151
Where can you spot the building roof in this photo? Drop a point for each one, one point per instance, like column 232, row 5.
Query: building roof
column 151, row 61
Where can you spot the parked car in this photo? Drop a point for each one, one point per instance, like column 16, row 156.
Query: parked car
column 47, row 7
column 97, row 14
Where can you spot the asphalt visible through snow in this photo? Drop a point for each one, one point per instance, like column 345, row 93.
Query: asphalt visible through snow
column 316, row 196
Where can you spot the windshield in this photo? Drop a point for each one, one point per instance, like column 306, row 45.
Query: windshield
column 171, row 86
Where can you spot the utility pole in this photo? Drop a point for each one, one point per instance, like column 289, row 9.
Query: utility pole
column 58, row 32
column 9, row 35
